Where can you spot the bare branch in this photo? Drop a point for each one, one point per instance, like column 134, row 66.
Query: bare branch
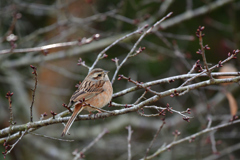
column 169, row 79
column 136, row 44
column 51, row 46
column 130, row 131
column 201, row 91
column 53, row 138
column 189, row 14
column 60, row 54
column 154, row 138
column 203, row 48
column 33, row 90
column 215, row 66
column 12, row 146
column 193, row 136
column 140, row 98
column 113, row 44
column 81, row 153
column 213, row 142
column 8, row 96
column 223, row 152
column 39, row 124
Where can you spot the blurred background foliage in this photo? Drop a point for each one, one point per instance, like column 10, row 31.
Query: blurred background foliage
column 169, row 51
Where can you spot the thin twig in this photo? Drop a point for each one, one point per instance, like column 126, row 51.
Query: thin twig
column 171, row 110
column 105, row 131
column 209, row 121
column 11, row 28
column 213, row 142
column 53, row 138
column 9, row 151
column 33, row 90
column 225, row 151
column 81, row 153
column 192, row 69
column 51, row 46
column 178, row 36
column 98, row 109
column 147, row 115
column 136, row 44
column 193, row 136
column 8, row 96
column 190, row 14
column 202, row 51
column 215, row 66
column 139, row 99
column 66, row 21
column 154, row 138
column 130, row 131
column 138, row 84
column 111, row 45
column 68, row 108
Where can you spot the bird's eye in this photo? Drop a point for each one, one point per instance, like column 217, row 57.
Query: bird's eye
column 99, row 75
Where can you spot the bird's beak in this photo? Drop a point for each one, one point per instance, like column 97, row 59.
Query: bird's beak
column 106, row 72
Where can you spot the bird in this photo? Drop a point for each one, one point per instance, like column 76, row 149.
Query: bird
column 96, row 90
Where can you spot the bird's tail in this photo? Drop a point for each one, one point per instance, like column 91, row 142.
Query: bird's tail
column 78, row 108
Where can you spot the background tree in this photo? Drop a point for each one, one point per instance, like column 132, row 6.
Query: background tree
column 165, row 58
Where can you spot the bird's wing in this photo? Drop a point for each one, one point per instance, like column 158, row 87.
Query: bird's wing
column 87, row 90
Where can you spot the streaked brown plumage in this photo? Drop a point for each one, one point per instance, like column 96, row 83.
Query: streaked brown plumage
column 96, row 89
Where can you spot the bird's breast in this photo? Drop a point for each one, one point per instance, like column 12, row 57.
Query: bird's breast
column 101, row 99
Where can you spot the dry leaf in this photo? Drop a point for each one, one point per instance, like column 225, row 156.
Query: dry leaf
column 232, row 103
column 227, row 68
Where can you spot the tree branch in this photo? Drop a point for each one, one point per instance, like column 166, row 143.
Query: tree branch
column 189, row 138
column 38, row 124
